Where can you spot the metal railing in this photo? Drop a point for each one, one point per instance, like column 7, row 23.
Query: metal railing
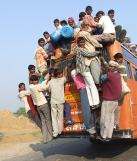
column 62, row 63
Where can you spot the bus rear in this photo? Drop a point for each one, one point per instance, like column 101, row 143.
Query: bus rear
column 128, row 115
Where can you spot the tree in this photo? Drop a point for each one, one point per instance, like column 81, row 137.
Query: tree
column 21, row 111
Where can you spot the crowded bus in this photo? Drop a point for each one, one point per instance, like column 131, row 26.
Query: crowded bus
column 86, row 85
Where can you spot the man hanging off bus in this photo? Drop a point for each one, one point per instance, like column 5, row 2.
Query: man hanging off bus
column 111, row 94
column 90, row 44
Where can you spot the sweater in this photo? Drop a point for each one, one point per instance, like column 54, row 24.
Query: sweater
column 112, row 87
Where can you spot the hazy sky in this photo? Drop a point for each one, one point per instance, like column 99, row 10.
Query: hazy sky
column 23, row 23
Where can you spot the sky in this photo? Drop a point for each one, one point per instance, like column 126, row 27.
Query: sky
column 23, row 23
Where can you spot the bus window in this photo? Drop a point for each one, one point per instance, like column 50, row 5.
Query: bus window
column 129, row 72
column 135, row 73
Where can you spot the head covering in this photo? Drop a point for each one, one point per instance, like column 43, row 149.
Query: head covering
column 113, row 63
column 71, row 19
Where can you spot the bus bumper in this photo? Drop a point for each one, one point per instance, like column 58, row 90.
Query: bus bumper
column 123, row 134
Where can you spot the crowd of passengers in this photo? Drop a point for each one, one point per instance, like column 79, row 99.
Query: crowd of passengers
column 45, row 102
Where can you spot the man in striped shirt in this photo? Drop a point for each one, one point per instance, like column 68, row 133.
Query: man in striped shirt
column 42, row 106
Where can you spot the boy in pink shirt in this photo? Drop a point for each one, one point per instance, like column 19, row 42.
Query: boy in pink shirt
column 87, row 111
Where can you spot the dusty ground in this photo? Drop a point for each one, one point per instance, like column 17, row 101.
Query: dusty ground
column 16, row 142
column 17, row 135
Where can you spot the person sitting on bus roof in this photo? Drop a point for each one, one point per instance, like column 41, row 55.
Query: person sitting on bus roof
column 88, row 114
column 63, row 23
column 57, row 23
column 123, row 72
column 111, row 93
column 67, row 111
column 92, row 23
column 47, row 37
column 65, row 42
column 53, row 45
column 133, row 47
column 90, row 19
column 90, row 44
column 71, row 23
column 124, row 43
column 83, row 69
column 41, row 57
column 56, row 87
column 30, row 108
column 96, row 20
column 42, row 106
column 105, row 22
column 120, row 34
column 81, row 17
column 129, row 45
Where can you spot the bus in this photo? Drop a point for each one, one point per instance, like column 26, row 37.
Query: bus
column 128, row 116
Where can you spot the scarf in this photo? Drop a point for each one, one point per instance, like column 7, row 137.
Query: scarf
column 31, row 104
column 78, row 34
column 85, row 30
column 71, row 19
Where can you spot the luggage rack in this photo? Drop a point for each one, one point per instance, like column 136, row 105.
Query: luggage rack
column 67, row 60
column 62, row 62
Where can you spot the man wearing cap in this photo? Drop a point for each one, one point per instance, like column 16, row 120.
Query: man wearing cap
column 111, row 94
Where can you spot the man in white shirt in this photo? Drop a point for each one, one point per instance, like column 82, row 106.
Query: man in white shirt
column 57, row 24
column 108, row 29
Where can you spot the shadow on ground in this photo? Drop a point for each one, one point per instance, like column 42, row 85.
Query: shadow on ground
column 82, row 150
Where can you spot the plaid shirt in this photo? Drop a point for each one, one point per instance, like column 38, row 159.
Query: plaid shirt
column 41, row 57
column 91, row 21
column 80, row 59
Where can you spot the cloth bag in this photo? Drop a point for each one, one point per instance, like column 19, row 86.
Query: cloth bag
column 125, row 89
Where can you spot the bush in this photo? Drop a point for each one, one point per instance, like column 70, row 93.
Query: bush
column 21, row 111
